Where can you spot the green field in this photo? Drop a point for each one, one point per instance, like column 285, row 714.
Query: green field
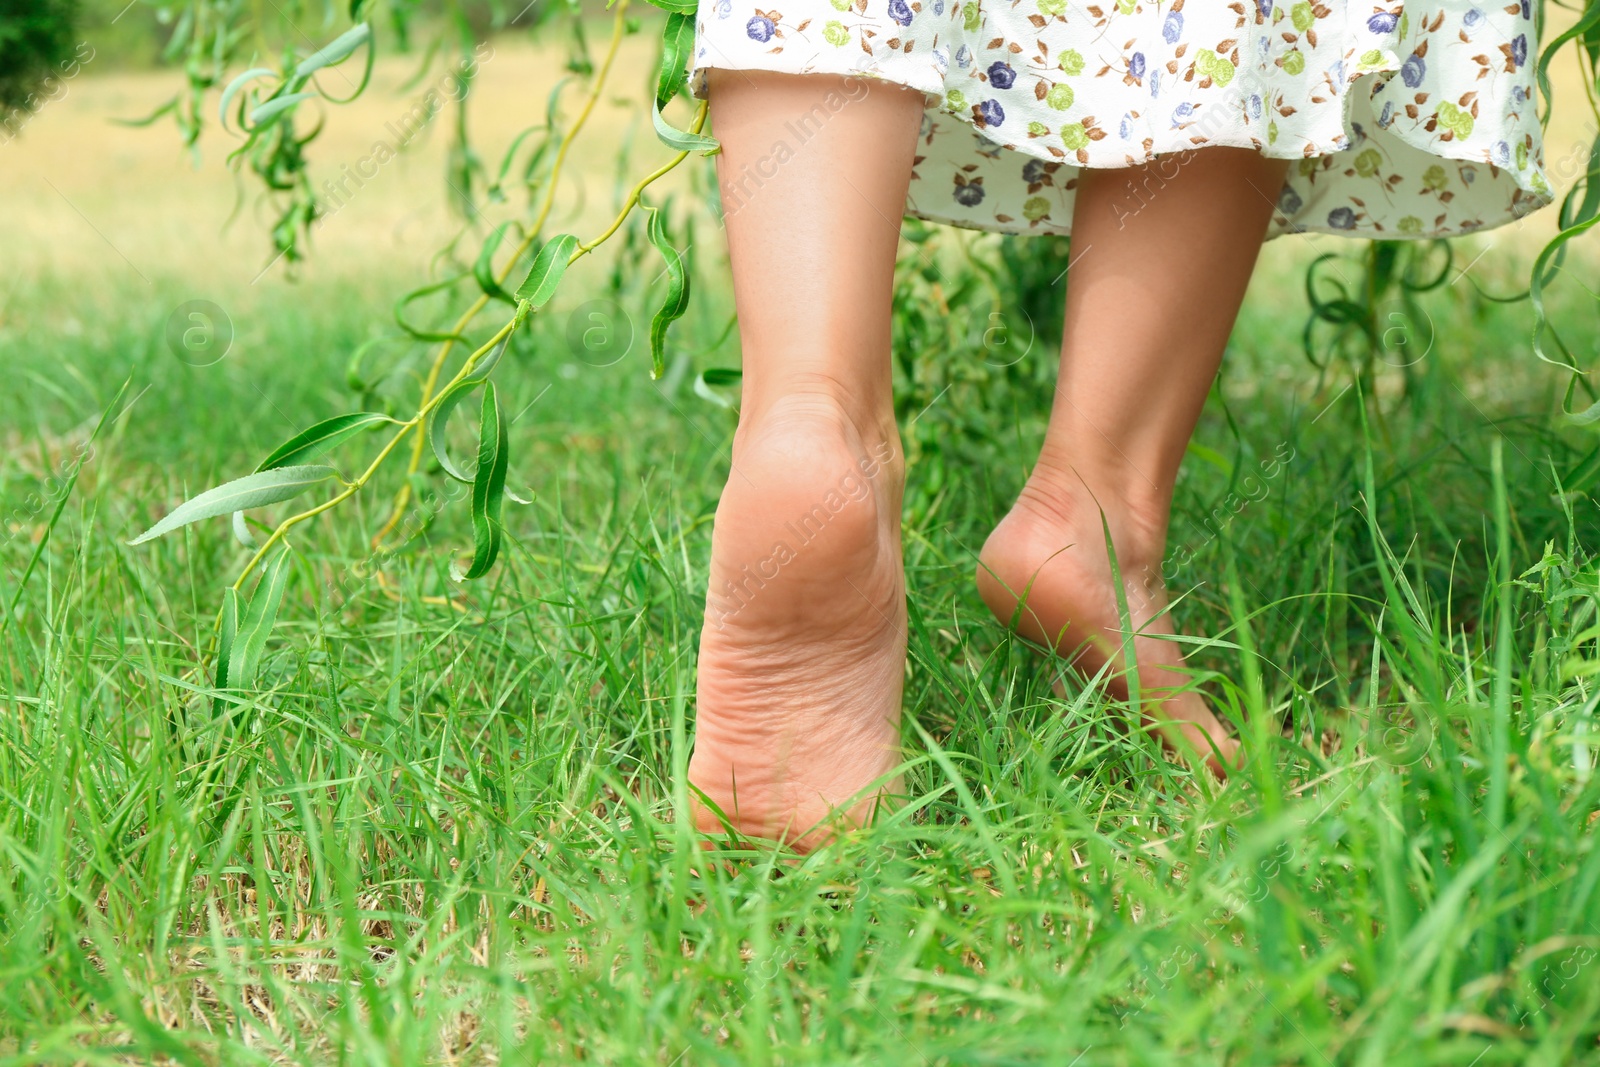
column 448, row 825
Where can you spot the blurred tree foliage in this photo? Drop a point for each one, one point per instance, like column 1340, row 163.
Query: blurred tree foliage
column 37, row 39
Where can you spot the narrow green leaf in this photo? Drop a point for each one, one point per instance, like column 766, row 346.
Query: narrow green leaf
column 440, row 419
column 677, row 44
column 241, row 531
column 718, row 377
column 438, row 423
column 707, row 382
column 241, row 494
column 483, row 269
column 354, row 370
column 510, row 156
column 1543, row 275
column 490, row 360
column 1579, row 30
column 227, row 630
column 1587, row 416
column 150, row 119
column 681, row 140
column 308, row 444
column 234, row 86
column 331, row 53
column 360, row 87
column 417, row 294
column 273, row 108
column 488, row 486
column 244, row 658
column 686, row 7
column 677, row 300
column 548, row 267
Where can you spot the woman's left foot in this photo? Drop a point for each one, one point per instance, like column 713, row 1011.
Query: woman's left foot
column 1049, row 554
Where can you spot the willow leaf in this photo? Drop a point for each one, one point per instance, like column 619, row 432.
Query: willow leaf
column 446, row 407
column 483, row 269
column 273, row 108
column 234, row 86
column 244, row 658
column 677, row 300
column 545, row 274
column 241, row 494
column 325, row 435
column 677, row 43
column 336, row 50
column 681, row 140
column 488, row 486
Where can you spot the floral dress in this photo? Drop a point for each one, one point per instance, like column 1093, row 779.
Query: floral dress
column 1407, row 119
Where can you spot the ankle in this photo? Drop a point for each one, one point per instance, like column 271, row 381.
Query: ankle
column 811, row 501
column 1081, row 502
column 1054, row 538
column 818, row 426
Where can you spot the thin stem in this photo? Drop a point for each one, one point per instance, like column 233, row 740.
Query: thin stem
column 417, row 421
column 633, row 195
column 403, row 495
column 431, row 399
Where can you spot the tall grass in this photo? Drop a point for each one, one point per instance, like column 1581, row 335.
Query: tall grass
column 448, row 827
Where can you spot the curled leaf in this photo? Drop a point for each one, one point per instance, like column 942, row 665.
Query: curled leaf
column 681, row 140
column 488, row 486
column 447, row 406
column 417, row 294
column 278, row 105
column 438, row 423
column 677, row 299
column 149, row 120
column 483, row 269
column 331, row 53
column 239, row 83
column 677, row 44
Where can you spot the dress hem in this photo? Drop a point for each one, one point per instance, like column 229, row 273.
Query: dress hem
column 1324, row 143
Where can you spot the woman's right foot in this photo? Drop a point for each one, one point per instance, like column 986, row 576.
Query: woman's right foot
column 1049, row 556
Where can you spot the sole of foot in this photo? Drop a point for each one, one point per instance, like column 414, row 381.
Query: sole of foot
column 802, row 656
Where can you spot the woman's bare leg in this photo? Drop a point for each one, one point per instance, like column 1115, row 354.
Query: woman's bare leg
column 1162, row 256
column 803, row 651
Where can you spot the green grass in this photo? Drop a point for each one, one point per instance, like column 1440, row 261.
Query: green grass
column 446, row 834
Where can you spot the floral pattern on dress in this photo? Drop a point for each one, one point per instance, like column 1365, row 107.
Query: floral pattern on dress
column 1407, row 119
